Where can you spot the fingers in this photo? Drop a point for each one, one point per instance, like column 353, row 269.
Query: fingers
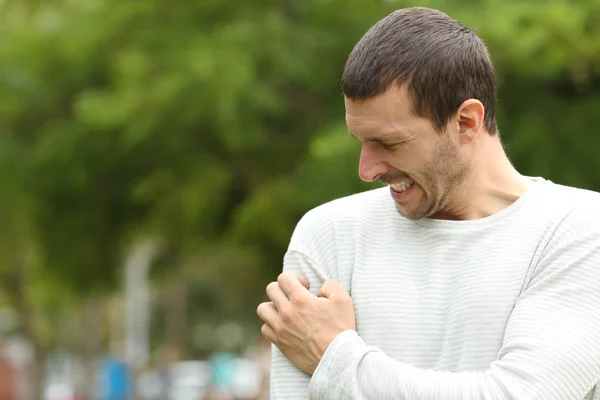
column 267, row 313
column 332, row 289
column 302, row 280
column 268, row 333
column 277, row 296
column 293, row 284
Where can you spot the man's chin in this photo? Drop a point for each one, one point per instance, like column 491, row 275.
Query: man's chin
column 408, row 213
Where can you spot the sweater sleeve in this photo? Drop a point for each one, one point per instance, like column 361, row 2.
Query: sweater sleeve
column 287, row 381
column 551, row 347
column 311, row 253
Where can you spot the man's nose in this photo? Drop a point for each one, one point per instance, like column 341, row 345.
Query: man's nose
column 370, row 166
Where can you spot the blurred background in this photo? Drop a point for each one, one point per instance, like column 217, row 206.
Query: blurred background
column 156, row 155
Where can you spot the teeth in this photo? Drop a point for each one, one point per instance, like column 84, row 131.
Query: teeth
column 402, row 186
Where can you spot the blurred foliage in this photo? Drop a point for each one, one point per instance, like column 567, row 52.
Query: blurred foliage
column 216, row 124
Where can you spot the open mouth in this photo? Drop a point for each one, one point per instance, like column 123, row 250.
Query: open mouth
column 402, row 186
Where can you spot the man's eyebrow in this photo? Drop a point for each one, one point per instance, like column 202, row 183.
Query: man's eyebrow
column 399, row 137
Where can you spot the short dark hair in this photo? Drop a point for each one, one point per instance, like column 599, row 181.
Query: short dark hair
column 443, row 62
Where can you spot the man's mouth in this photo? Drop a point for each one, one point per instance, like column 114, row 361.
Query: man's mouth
column 402, row 186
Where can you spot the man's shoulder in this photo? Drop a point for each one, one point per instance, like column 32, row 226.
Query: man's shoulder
column 346, row 211
column 352, row 207
column 578, row 207
column 575, row 198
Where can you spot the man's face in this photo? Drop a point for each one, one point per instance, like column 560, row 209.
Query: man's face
column 422, row 167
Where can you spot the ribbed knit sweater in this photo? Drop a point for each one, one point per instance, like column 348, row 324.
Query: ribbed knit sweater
column 504, row 307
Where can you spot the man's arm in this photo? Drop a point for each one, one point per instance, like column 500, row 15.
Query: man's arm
column 287, row 381
column 551, row 346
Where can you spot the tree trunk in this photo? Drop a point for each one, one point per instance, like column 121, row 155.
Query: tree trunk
column 137, row 300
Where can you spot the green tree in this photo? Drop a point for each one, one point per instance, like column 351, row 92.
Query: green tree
column 215, row 125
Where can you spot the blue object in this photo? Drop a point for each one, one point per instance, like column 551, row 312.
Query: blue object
column 222, row 371
column 115, row 380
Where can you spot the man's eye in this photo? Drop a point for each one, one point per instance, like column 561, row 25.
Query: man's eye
column 391, row 145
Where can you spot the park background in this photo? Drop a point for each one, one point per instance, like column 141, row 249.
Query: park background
column 156, row 155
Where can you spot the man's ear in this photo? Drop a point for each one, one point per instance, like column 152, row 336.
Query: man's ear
column 470, row 117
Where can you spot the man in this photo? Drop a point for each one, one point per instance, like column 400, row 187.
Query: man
column 460, row 280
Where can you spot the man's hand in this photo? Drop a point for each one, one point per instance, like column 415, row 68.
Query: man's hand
column 302, row 325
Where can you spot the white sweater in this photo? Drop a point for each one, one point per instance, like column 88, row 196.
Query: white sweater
column 505, row 307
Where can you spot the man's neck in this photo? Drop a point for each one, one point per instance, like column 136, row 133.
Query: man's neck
column 493, row 185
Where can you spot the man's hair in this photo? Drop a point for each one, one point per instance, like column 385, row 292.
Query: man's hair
column 443, row 62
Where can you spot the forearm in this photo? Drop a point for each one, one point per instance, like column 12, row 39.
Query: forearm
column 350, row 369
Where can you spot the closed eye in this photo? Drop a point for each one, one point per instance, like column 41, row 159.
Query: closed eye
column 391, row 145
column 385, row 145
